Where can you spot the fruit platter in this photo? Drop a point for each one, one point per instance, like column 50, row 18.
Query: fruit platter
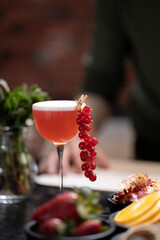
column 79, row 214
column 140, row 208
column 70, row 215
column 132, row 188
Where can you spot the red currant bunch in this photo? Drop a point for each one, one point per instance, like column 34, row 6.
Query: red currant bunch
column 88, row 143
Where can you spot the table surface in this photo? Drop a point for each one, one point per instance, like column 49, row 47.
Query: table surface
column 107, row 179
column 13, row 217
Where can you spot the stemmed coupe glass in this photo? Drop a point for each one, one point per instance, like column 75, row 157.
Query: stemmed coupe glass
column 56, row 122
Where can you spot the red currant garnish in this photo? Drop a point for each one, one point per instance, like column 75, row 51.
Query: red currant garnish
column 82, row 145
column 80, row 114
column 86, row 110
column 88, row 143
column 87, row 138
column 93, row 153
column 79, row 120
column 87, row 128
column 82, row 127
column 88, row 173
column 84, row 155
column 92, row 177
column 90, row 148
column 90, row 159
column 87, row 119
column 81, row 135
column 85, row 167
column 92, row 166
column 94, row 142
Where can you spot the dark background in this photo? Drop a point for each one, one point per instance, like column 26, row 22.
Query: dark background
column 45, row 42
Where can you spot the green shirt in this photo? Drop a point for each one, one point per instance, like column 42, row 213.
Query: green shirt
column 133, row 25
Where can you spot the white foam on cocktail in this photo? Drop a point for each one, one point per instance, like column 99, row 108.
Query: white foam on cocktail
column 55, row 105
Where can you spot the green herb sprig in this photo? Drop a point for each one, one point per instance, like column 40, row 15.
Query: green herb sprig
column 16, row 105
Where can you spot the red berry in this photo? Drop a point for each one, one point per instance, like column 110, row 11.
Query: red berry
column 92, row 177
column 82, row 145
column 88, row 228
column 94, row 142
column 92, row 166
column 51, row 227
column 81, row 135
column 84, row 155
column 86, row 109
column 87, row 119
column 80, row 114
column 93, row 153
column 87, row 128
column 56, row 207
column 90, row 148
column 79, row 120
column 85, row 167
column 88, row 173
column 82, row 127
column 90, row 159
column 87, row 138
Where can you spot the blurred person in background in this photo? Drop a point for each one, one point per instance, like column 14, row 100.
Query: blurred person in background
column 123, row 29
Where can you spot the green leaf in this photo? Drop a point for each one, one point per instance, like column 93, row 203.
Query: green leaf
column 4, row 90
column 37, row 95
column 105, row 228
column 16, row 105
column 88, row 204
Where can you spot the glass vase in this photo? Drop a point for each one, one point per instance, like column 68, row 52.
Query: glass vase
column 17, row 166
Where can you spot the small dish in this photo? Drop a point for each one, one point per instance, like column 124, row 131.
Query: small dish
column 31, row 233
column 114, row 206
column 120, row 226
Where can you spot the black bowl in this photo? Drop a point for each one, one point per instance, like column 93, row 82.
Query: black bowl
column 121, row 227
column 114, row 206
column 31, row 233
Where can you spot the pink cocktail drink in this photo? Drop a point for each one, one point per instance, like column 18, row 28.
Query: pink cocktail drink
column 56, row 122
column 57, row 125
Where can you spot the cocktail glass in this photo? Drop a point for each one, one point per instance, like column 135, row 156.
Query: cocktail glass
column 56, row 122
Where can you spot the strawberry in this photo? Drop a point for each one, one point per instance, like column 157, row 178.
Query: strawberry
column 80, row 204
column 62, row 206
column 52, row 227
column 88, row 227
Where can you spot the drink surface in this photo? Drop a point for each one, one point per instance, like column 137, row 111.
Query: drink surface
column 56, row 120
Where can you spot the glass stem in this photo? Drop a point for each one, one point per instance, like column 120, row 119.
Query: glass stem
column 60, row 149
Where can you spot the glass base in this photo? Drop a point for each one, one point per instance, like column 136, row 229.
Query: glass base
column 8, row 199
